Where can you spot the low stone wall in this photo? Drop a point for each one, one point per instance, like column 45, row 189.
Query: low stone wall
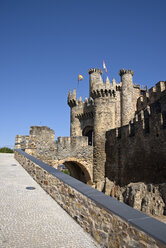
column 112, row 223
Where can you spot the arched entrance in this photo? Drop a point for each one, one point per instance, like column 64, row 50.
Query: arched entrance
column 88, row 131
column 78, row 170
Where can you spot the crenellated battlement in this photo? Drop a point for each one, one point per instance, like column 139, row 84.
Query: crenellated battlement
column 144, row 123
column 143, row 101
column 155, row 94
column 84, row 109
column 37, row 134
column 103, row 93
column 92, row 70
column 123, row 72
column 72, row 101
column 105, row 89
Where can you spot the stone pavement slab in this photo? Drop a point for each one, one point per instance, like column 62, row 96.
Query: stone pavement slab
column 30, row 218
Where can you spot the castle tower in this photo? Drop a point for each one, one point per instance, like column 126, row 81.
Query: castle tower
column 104, row 119
column 95, row 80
column 127, row 108
column 75, row 107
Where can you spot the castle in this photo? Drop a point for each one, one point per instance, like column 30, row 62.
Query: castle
column 117, row 141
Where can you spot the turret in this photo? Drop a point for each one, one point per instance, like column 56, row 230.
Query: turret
column 71, row 99
column 127, row 106
column 95, row 79
column 76, row 107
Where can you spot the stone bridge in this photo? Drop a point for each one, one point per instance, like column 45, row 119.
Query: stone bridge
column 73, row 152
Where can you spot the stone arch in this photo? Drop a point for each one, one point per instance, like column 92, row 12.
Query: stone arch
column 88, row 131
column 80, row 170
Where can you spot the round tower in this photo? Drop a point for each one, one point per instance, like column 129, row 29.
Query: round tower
column 127, row 108
column 103, row 120
column 95, row 79
column 75, row 108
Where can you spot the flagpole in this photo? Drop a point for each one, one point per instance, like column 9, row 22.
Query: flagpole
column 80, row 77
column 105, row 69
column 104, row 77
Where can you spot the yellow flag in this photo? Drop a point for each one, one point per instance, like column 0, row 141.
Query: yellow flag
column 80, row 77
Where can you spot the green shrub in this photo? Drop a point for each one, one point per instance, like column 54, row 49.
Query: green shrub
column 66, row 172
column 6, row 150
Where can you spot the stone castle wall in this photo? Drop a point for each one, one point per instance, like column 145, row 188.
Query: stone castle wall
column 136, row 156
column 111, row 223
column 74, row 152
column 137, row 152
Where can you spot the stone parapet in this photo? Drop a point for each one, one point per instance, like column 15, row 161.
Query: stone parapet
column 112, row 223
column 143, row 123
column 155, row 94
column 143, row 101
column 92, row 70
column 104, row 91
column 21, row 142
column 123, row 71
column 71, row 99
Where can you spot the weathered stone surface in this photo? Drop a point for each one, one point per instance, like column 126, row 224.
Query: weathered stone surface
column 100, row 185
column 108, row 229
column 109, row 186
column 147, row 198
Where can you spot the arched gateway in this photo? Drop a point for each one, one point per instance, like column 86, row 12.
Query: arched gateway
column 78, row 169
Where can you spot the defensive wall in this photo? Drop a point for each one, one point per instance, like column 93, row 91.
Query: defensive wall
column 73, row 152
column 112, row 223
column 137, row 152
column 136, row 155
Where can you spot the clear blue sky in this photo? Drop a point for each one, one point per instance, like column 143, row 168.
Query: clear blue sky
column 45, row 44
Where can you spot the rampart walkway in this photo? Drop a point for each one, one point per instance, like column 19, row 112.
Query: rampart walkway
column 31, row 218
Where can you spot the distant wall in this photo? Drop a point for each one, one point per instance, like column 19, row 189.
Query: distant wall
column 74, row 152
column 137, row 152
column 112, row 223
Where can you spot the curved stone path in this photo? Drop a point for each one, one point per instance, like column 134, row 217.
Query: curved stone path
column 31, row 218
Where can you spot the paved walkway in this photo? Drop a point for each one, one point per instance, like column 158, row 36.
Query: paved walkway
column 31, row 218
